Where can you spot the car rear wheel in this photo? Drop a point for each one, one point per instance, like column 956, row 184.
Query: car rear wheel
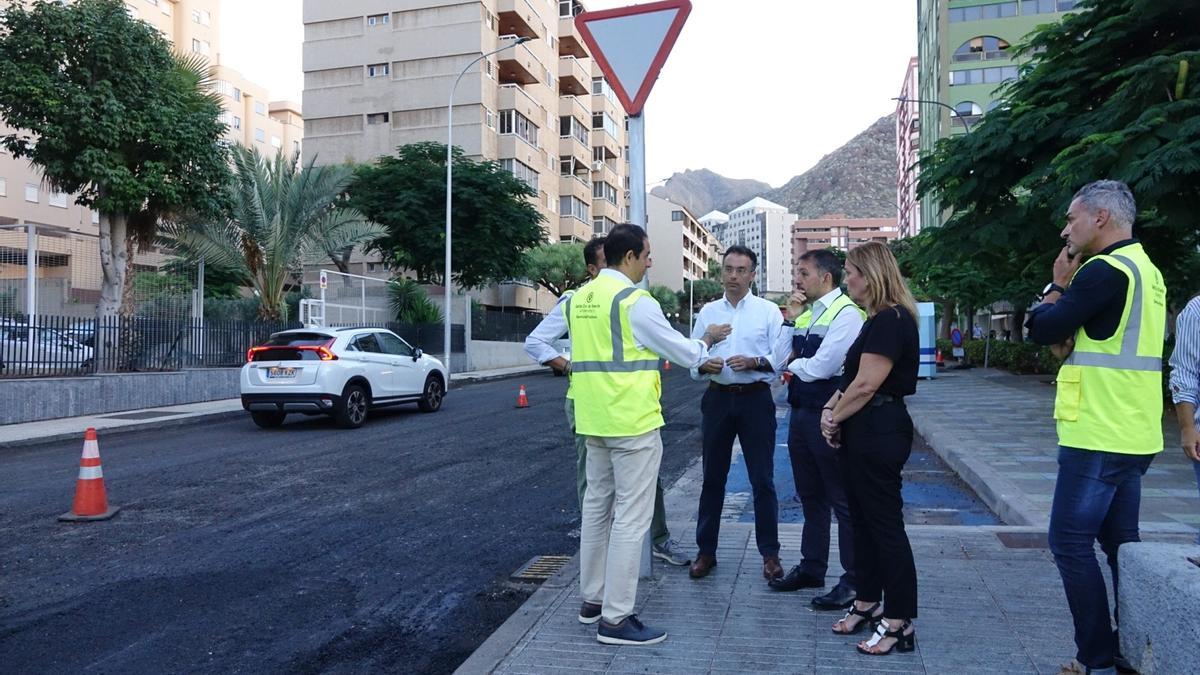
column 267, row 419
column 351, row 410
column 431, row 397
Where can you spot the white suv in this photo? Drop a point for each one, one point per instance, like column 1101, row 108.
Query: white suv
column 343, row 372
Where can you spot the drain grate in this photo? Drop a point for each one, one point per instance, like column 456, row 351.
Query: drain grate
column 1023, row 539
column 541, row 567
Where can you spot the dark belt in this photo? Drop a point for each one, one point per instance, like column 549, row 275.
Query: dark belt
column 880, row 399
column 739, row 388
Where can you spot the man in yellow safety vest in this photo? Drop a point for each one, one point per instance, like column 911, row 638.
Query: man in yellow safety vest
column 1107, row 317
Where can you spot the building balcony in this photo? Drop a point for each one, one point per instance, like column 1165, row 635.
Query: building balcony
column 518, row 65
column 574, row 107
column 517, row 17
column 569, row 42
column 574, row 79
column 607, row 172
column 600, row 103
column 569, row 146
column 603, row 139
column 575, row 186
column 514, row 97
column 571, row 228
column 605, row 208
column 511, row 146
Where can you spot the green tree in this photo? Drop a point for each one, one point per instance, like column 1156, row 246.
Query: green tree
column 281, row 216
column 410, row 303
column 559, row 267
column 1111, row 91
column 494, row 220
column 666, row 299
column 107, row 111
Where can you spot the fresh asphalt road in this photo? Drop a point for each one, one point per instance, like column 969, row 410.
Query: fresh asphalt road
column 303, row 549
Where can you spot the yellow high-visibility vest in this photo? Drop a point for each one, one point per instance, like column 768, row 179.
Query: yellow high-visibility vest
column 615, row 384
column 1109, row 394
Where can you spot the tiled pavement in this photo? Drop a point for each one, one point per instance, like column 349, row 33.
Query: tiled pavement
column 995, row 429
column 985, row 608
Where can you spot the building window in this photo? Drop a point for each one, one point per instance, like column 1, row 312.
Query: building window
column 600, row 87
column 998, row 10
column 983, row 75
column 378, row 118
column 201, row 46
column 201, row 16
column 3, row 187
column 982, row 48
column 260, row 135
column 569, row 8
column 568, row 126
column 58, row 199
column 490, row 118
column 260, row 108
column 379, row 69
column 95, row 217
column 276, row 142
column 32, row 194
column 379, row 19
column 522, row 171
column 237, row 122
column 677, row 215
column 487, row 68
column 602, row 190
column 969, row 110
column 602, row 120
column 1031, row 7
column 513, row 122
column 489, row 19
column 574, row 207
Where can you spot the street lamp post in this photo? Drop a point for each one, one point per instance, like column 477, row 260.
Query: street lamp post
column 947, row 106
column 446, row 280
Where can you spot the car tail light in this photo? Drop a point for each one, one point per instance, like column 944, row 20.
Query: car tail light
column 252, row 351
column 324, row 353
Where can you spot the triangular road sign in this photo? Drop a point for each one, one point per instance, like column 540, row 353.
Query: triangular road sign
column 631, row 44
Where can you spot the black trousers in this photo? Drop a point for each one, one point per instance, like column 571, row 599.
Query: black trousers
column 877, row 441
column 749, row 417
column 820, row 484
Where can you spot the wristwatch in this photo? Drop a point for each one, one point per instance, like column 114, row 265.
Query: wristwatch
column 760, row 362
column 1050, row 288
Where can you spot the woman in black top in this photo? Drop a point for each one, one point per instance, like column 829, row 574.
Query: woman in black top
column 868, row 420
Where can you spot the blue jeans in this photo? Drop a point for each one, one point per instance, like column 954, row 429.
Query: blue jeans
column 1097, row 497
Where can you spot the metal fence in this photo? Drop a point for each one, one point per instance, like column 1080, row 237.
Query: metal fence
column 491, row 324
column 58, row 346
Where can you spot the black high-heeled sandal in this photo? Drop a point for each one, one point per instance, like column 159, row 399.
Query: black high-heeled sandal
column 868, row 615
column 903, row 643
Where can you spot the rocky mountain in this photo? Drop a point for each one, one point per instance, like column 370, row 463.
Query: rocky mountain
column 858, row 179
column 702, row 191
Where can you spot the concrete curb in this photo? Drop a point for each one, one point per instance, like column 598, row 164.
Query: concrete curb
column 467, row 378
column 1004, row 498
column 128, row 427
column 504, row 639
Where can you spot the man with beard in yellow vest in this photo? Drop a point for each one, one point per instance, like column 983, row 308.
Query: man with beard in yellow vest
column 618, row 334
column 1107, row 317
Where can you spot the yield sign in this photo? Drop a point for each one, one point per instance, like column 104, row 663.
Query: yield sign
column 631, row 44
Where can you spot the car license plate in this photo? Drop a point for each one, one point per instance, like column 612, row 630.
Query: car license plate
column 280, row 373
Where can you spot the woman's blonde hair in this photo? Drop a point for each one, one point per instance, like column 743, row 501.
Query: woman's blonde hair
column 885, row 286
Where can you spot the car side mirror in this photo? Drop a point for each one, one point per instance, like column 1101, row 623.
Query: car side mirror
column 417, row 354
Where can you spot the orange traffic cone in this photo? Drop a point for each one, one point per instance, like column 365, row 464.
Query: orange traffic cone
column 666, row 365
column 522, row 399
column 941, row 363
column 91, row 501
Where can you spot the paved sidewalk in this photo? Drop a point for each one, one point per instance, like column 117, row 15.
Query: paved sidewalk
column 996, row 431
column 986, row 606
column 50, row 431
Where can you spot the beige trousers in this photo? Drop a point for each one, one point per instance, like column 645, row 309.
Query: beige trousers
column 621, row 475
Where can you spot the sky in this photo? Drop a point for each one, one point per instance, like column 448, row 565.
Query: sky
column 753, row 88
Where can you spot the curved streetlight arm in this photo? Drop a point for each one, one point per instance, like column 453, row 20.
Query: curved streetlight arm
column 947, row 106
column 446, row 280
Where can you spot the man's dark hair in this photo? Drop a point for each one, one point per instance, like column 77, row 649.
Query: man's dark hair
column 590, row 248
column 826, row 261
column 622, row 239
column 741, row 250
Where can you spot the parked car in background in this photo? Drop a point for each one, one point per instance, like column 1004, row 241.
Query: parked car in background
column 50, row 351
column 341, row 372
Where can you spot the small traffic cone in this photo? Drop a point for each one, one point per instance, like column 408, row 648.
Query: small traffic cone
column 941, row 362
column 522, row 399
column 91, row 500
column 666, row 364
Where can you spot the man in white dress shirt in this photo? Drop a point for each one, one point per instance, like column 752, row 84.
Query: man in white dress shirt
column 738, row 404
column 818, row 351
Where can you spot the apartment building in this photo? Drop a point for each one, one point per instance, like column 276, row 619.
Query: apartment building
column 681, row 246
column 378, row 74
column 838, row 231
column 908, row 140
column 66, row 235
column 963, row 52
column 765, row 228
column 716, row 222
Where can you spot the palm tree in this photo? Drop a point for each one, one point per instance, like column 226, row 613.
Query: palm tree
column 280, row 215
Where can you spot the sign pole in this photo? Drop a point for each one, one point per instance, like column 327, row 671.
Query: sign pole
column 637, row 169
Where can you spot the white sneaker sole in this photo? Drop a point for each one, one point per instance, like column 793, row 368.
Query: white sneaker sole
column 588, row 621
column 669, row 560
column 604, row 639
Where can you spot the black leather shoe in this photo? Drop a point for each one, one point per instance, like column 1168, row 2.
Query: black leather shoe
column 839, row 598
column 795, row 580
